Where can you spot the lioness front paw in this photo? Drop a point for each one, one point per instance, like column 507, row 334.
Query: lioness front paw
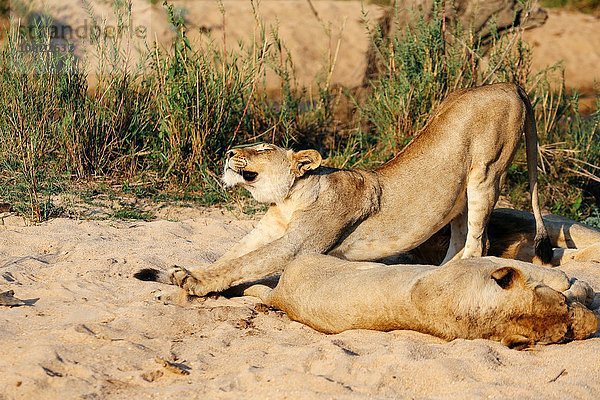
column 589, row 254
column 580, row 292
column 178, row 275
column 196, row 283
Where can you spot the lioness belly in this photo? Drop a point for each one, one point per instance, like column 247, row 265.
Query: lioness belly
column 332, row 296
column 390, row 233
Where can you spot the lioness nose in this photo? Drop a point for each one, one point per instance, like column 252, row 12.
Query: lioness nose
column 230, row 153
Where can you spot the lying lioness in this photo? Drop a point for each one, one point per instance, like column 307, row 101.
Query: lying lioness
column 511, row 234
column 510, row 301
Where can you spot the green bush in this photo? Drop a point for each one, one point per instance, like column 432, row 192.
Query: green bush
column 170, row 119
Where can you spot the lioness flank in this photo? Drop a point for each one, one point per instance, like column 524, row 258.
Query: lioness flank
column 510, row 301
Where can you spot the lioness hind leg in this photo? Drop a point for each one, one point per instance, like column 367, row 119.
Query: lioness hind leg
column 458, row 235
column 482, row 195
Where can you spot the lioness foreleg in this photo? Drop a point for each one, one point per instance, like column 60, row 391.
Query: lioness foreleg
column 265, row 260
column 271, row 227
column 224, row 273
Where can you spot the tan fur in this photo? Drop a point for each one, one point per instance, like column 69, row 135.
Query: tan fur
column 505, row 300
column 511, row 234
column 450, row 174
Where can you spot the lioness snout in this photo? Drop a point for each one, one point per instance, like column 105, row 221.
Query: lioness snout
column 236, row 163
column 230, row 153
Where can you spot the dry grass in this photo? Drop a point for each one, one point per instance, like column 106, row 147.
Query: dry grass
column 168, row 122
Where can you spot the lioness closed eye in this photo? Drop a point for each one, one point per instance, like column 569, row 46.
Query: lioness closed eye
column 451, row 173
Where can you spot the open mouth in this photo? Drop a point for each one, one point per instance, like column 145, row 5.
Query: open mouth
column 248, row 176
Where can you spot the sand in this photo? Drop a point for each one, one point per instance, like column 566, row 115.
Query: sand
column 571, row 38
column 92, row 331
column 334, row 41
column 140, row 30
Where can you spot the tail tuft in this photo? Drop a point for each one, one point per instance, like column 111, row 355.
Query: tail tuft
column 148, row 274
column 543, row 248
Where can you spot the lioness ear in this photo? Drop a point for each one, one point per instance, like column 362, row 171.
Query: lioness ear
column 506, row 277
column 305, row 160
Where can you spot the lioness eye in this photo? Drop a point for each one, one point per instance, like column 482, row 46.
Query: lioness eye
column 249, row 176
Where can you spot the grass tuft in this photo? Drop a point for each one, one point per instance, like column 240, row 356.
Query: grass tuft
column 159, row 129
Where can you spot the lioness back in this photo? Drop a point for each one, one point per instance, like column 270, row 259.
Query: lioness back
column 472, row 137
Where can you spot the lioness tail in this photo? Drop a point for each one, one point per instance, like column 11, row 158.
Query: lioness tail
column 151, row 274
column 542, row 245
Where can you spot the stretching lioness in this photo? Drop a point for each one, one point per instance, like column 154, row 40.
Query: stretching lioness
column 450, row 173
column 505, row 300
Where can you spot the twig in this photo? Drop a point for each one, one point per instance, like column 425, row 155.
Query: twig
column 175, row 368
column 260, row 66
column 583, row 162
column 502, row 57
column 314, row 11
column 585, row 174
column 335, row 56
column 222, row 11
column 561, row 373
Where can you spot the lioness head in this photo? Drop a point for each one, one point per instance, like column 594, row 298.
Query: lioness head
column 268, row 171
column 504, row 303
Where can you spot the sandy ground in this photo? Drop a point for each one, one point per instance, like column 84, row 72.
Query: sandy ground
column 135, row 34
column 336, row 36
column 91, row 331
column 573, row 38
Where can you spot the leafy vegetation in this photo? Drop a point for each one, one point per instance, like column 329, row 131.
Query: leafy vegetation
column 160, row 129
column 433, row 58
